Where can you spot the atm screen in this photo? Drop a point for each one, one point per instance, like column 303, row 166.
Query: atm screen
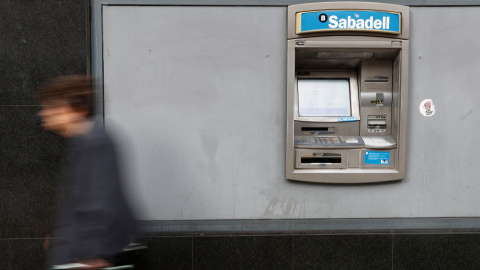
column 323, row 97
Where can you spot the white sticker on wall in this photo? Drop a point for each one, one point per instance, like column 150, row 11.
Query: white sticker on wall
column 427, row 108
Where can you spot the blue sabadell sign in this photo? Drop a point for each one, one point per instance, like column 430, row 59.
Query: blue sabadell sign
column 348, row 20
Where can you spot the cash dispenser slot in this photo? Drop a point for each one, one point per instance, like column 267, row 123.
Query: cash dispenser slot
column 316, row 158
column 327, row 158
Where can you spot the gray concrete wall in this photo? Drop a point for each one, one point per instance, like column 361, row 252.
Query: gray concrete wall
column 201, row 93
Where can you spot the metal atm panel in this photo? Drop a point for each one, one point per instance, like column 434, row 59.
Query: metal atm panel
column 347, row 92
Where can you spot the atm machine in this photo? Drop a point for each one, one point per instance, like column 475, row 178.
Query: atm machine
column 347, row 92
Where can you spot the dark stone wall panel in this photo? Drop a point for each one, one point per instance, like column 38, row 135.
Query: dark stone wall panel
column 22, row 254
column 243, row 252
column 29, row 167
column 436, row 251
column 171, row 252
column 363, row 251
column 39, row 40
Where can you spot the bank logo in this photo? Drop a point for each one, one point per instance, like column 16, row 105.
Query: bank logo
column 348, row 20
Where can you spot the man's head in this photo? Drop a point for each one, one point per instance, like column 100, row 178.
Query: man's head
column 65, row 102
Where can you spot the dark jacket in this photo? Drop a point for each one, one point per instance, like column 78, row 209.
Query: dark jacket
column 94, row 220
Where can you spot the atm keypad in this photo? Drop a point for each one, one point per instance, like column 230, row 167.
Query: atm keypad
column 327, row 140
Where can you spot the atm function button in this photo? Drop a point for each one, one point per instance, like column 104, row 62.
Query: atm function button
column 302, row 140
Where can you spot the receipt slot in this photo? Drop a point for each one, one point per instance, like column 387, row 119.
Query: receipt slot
column 347, row 92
